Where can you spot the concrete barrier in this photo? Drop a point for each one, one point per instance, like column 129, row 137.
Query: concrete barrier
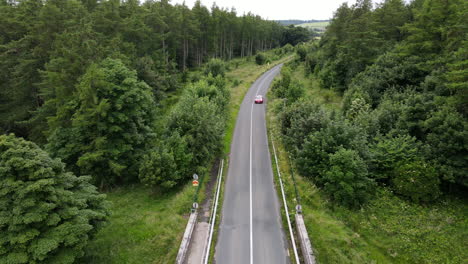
column 306, row 246
column 184, row 245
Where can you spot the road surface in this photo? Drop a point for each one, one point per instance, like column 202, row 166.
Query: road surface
column 251, row 229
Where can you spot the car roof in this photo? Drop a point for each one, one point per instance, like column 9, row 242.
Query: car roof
column 258, row 96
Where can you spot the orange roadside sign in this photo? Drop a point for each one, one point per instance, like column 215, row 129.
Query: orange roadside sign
column 195, row 183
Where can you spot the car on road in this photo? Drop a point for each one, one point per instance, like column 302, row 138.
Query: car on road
column 259, row 99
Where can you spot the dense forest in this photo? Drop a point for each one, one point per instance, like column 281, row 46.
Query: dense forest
column 83, row 91
column 402, row 70
column 374, row 119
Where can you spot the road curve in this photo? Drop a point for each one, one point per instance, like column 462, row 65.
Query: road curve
column 250, row 230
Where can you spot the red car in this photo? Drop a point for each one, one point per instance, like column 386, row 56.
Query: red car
column 258, row 99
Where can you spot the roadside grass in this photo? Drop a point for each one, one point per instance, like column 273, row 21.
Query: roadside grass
column 386, row 230
column 143, row 228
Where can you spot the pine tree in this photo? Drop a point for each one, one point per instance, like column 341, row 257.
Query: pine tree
column 47, row 215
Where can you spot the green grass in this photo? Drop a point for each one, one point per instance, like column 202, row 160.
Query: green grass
column 387, row 230
column 317, row 25
column 143, row 228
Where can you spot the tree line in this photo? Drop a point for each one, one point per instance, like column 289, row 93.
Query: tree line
column 46, row 46
column 402, row 68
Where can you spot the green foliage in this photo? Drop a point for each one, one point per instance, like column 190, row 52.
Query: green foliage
column 111, row 127
column 291, row 90
column 47, row 215
column 301, row 51
column 294, row 35
column 417, row 180
column 387, row 153
column 447, row 135
column 260, row 59
column 198, row 119
column 215, row 67
column 314, row 156
column 346, row 180
column 168, row 164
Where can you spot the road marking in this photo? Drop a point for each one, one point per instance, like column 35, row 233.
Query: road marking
column 250, row 155
column 285, row 204
column 250, row 186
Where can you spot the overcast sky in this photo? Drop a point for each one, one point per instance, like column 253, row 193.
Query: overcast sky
column 280, row 9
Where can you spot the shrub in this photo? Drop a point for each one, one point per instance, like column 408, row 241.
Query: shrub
column 215, row 67
column 301, row 51
column 346, row 180
column 167, row 164
column 418, row 181
column 47, row 215
column 260, row 59
column 299, row 120
column 388, row 152
column 313, row 158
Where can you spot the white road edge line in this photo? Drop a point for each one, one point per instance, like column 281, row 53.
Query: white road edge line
column 285, row 204
column 213, row 220
column 250, row 186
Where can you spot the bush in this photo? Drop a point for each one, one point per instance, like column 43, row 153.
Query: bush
column 260, row 59
column 301, row 51
column 215, row 67
column 388, row 152
column 346, row 180
column 418, row 181
column 299, row 120
column 168, row 164
column 313, row 158
column 47, row 215
column 201, row 122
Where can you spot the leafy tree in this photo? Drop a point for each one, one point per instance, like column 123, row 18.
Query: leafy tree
column 390, row 152
column 313, row 159
column 346, row 180
column 167, row 164
column 112, row 124
column 299, row 120
column 418, row 181
column 260, row 59
column 447, row 135
column 200, row 122
column 215, row 67
column 47, row 215
column 294, row 35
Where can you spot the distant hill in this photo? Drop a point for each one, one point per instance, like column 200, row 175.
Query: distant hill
column 297, row 21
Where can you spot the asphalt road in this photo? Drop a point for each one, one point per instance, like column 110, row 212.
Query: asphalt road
column 251, row 229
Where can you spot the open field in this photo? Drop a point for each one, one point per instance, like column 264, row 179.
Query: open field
column 315, row 25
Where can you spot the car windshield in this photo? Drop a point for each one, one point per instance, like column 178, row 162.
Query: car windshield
column 259, row 97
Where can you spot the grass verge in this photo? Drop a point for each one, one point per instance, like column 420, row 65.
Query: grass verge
column 143, row 228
